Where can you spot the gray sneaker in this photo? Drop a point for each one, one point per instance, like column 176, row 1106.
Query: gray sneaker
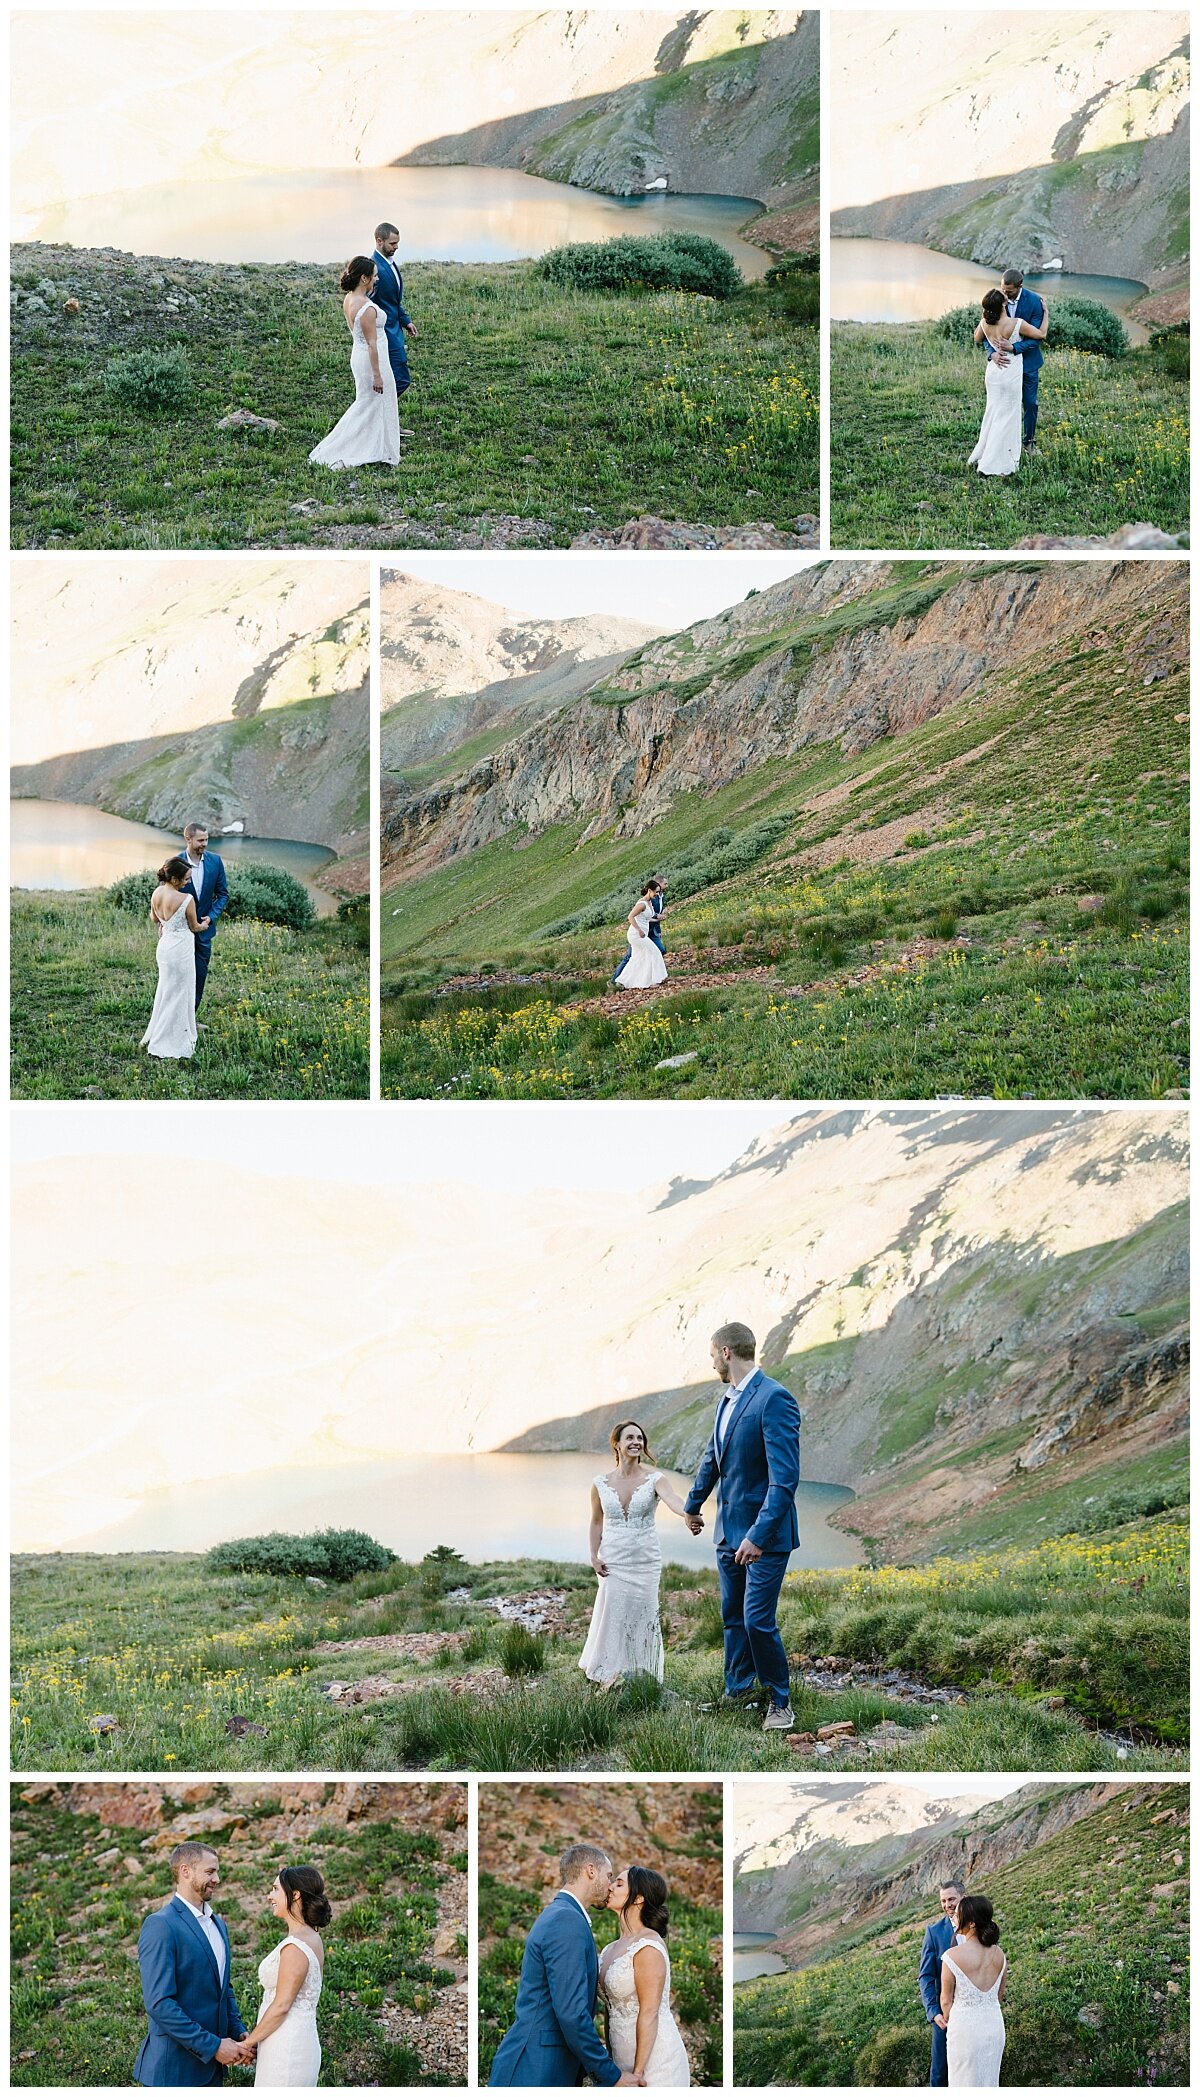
column 779, row 1719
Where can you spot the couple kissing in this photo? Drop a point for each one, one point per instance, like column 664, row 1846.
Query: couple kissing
column 552, row 2042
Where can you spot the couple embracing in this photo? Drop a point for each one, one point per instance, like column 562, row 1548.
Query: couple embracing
column 552, row 2042
column 1012, row 327
column 753, row 1461
column 192, row 893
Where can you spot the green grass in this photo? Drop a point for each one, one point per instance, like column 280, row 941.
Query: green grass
column 77, row 2015
column 1095, row 1917
column 561, row 410
column 906, row 409
column 1048, row 1640
column 285, row 1015
column 1006, row 810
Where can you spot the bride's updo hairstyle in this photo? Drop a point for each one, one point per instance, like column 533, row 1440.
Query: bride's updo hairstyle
column 993, row 306
column 973, row 1909
column 306, row 1880
column 175, row 871
column 614, row 1440
column 358, row 267
column 653, row 1890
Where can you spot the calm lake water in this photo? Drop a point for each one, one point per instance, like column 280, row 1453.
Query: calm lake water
column 66, row 844
column 894, row 280
column 494, row 1506
column 445, row 214
column 752, row 1957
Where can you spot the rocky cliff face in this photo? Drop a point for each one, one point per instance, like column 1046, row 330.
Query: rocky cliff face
column 834, row 1871
column 720, row 101
column 1068, row 139
column 845, row 653
column 674, row 1828
column 453, row 666
column 878, row 1305
column 219, row 692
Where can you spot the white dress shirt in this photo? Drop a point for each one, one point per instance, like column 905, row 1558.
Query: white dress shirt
column 733, row 1392
column 208, row 1924
column 197, row 867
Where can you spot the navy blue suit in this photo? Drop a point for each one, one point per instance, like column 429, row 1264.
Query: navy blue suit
column 756, row 1472
column 190, row 2006
column 938, row 1938
column 1031, row 308
column 388, row 295
column 212, row 896
column 657, row 905
column 552, row 2042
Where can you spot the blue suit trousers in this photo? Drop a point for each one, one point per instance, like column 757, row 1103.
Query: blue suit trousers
column 749, row 1601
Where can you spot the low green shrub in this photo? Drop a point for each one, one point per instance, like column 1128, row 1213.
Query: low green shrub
column 654, row 262
column 1082, row 324
column 1169, row 351
column 794, row 287
column 151, row 381
column 255, row 890
column 325, row 1554
column 520, row 1652
column 355, row 911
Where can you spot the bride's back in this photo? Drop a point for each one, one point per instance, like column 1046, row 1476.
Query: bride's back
column 982, row 1964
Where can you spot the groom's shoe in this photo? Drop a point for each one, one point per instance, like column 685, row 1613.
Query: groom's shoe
column 779, row 1719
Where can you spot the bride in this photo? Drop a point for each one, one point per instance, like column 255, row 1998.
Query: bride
column 635, row 1983
column 172, row 1028
column 974, row 1972
column 289, row 2045
column 645, row 965
column 369, row 431
column 998, row 451
column 624, row 1637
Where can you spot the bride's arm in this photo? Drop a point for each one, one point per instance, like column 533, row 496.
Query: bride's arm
column 292, row 1968
column 634, row 927
column 947, row 1987
column 370, row 321
column 668, row 1495
column 595, row 1527
column 193, row 920
column 649, row 1976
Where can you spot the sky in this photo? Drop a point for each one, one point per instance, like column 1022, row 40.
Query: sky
column 588, row 1146
column 666, row 590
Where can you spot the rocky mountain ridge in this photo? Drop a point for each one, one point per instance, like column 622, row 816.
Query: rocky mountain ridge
column 675, row 1828
column 845, row 653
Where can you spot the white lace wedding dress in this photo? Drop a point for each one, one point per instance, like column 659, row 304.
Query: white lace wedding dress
column 645, row 965
column 974, row 2033
column 667, row 2067
column 998, row 451
column 369, row 431
column 624, row 1637
column 291, row 2057
column 172, row 1028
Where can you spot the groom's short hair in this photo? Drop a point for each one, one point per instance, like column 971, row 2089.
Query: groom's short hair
column 384, row 228
column 191, row 829
column 952, row 1886
column 188, row 1853
column 577, row 1858
column 738, row 1338
column 1012, row 276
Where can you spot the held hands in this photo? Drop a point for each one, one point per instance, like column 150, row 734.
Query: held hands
column 628, row 2081
column 377, row 384
column 236, row 2053
column 695, row 1523
column 205, row 922
column 746, row 1552
column 940, row 2021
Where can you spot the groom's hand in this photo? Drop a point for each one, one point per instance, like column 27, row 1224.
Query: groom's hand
column 695, row 1523
column 746, row 1552
column 233, row 2053
column 626, row 2081
column 940, row 2021
column 410, row 330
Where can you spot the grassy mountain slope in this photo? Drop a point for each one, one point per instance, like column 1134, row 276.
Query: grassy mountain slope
column 1094, row 1921
column 990, row 902
column 82, row 1887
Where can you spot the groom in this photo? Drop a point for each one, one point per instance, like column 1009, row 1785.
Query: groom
column 753, row 1458
column 1026, row 305
column 388, row 295
column 196, row 2030
column 552, row 2041
column 658, row 903
column 208, row 885
column 939, row 1936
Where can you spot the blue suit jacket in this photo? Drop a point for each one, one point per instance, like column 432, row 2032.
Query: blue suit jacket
column 1029, row 307
column 191, row 2009
column 552, row 2041
column 212, row 895
column 757, row 1471
column 390, row 302
column 939, row 1937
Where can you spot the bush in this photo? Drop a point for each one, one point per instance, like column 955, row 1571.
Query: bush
column 151, row 382
column 263, row 892
column 355, row 913
column 1081, row 324
column 1169, row 351
column 326, row 1554
column 655, row 262
column 795, row 288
